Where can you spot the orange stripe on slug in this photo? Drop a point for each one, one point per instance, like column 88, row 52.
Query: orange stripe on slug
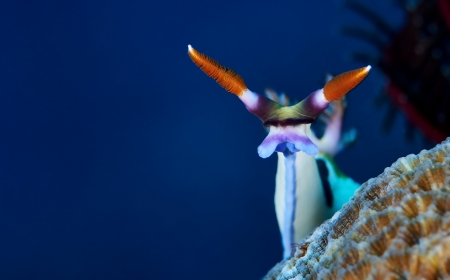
column 340, row 85
column 227, row 78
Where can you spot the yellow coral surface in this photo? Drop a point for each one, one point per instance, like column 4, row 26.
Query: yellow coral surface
column 397, row 226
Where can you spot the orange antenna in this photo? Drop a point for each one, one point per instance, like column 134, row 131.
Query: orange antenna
column 340, row 85
column 227, row 78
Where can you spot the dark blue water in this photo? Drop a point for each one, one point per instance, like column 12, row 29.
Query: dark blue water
column 120, row 159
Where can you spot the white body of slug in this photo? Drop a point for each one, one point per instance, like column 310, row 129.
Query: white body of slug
column 310, row 209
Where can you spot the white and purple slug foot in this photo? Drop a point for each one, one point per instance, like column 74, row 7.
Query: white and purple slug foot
column 287, row 234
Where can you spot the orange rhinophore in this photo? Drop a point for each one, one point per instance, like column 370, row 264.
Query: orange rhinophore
column 226, row 77
column 340, row 85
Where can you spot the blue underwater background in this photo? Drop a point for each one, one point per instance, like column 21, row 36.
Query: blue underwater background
column 120, row 159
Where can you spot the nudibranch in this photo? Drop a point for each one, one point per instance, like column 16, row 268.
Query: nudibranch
column 322, row 188
column 289, row 127
column 396, row 226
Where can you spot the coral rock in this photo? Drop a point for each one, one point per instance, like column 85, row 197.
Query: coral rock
column 397, row 226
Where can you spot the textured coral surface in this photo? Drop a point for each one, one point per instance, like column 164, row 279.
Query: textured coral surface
column 397, row 226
